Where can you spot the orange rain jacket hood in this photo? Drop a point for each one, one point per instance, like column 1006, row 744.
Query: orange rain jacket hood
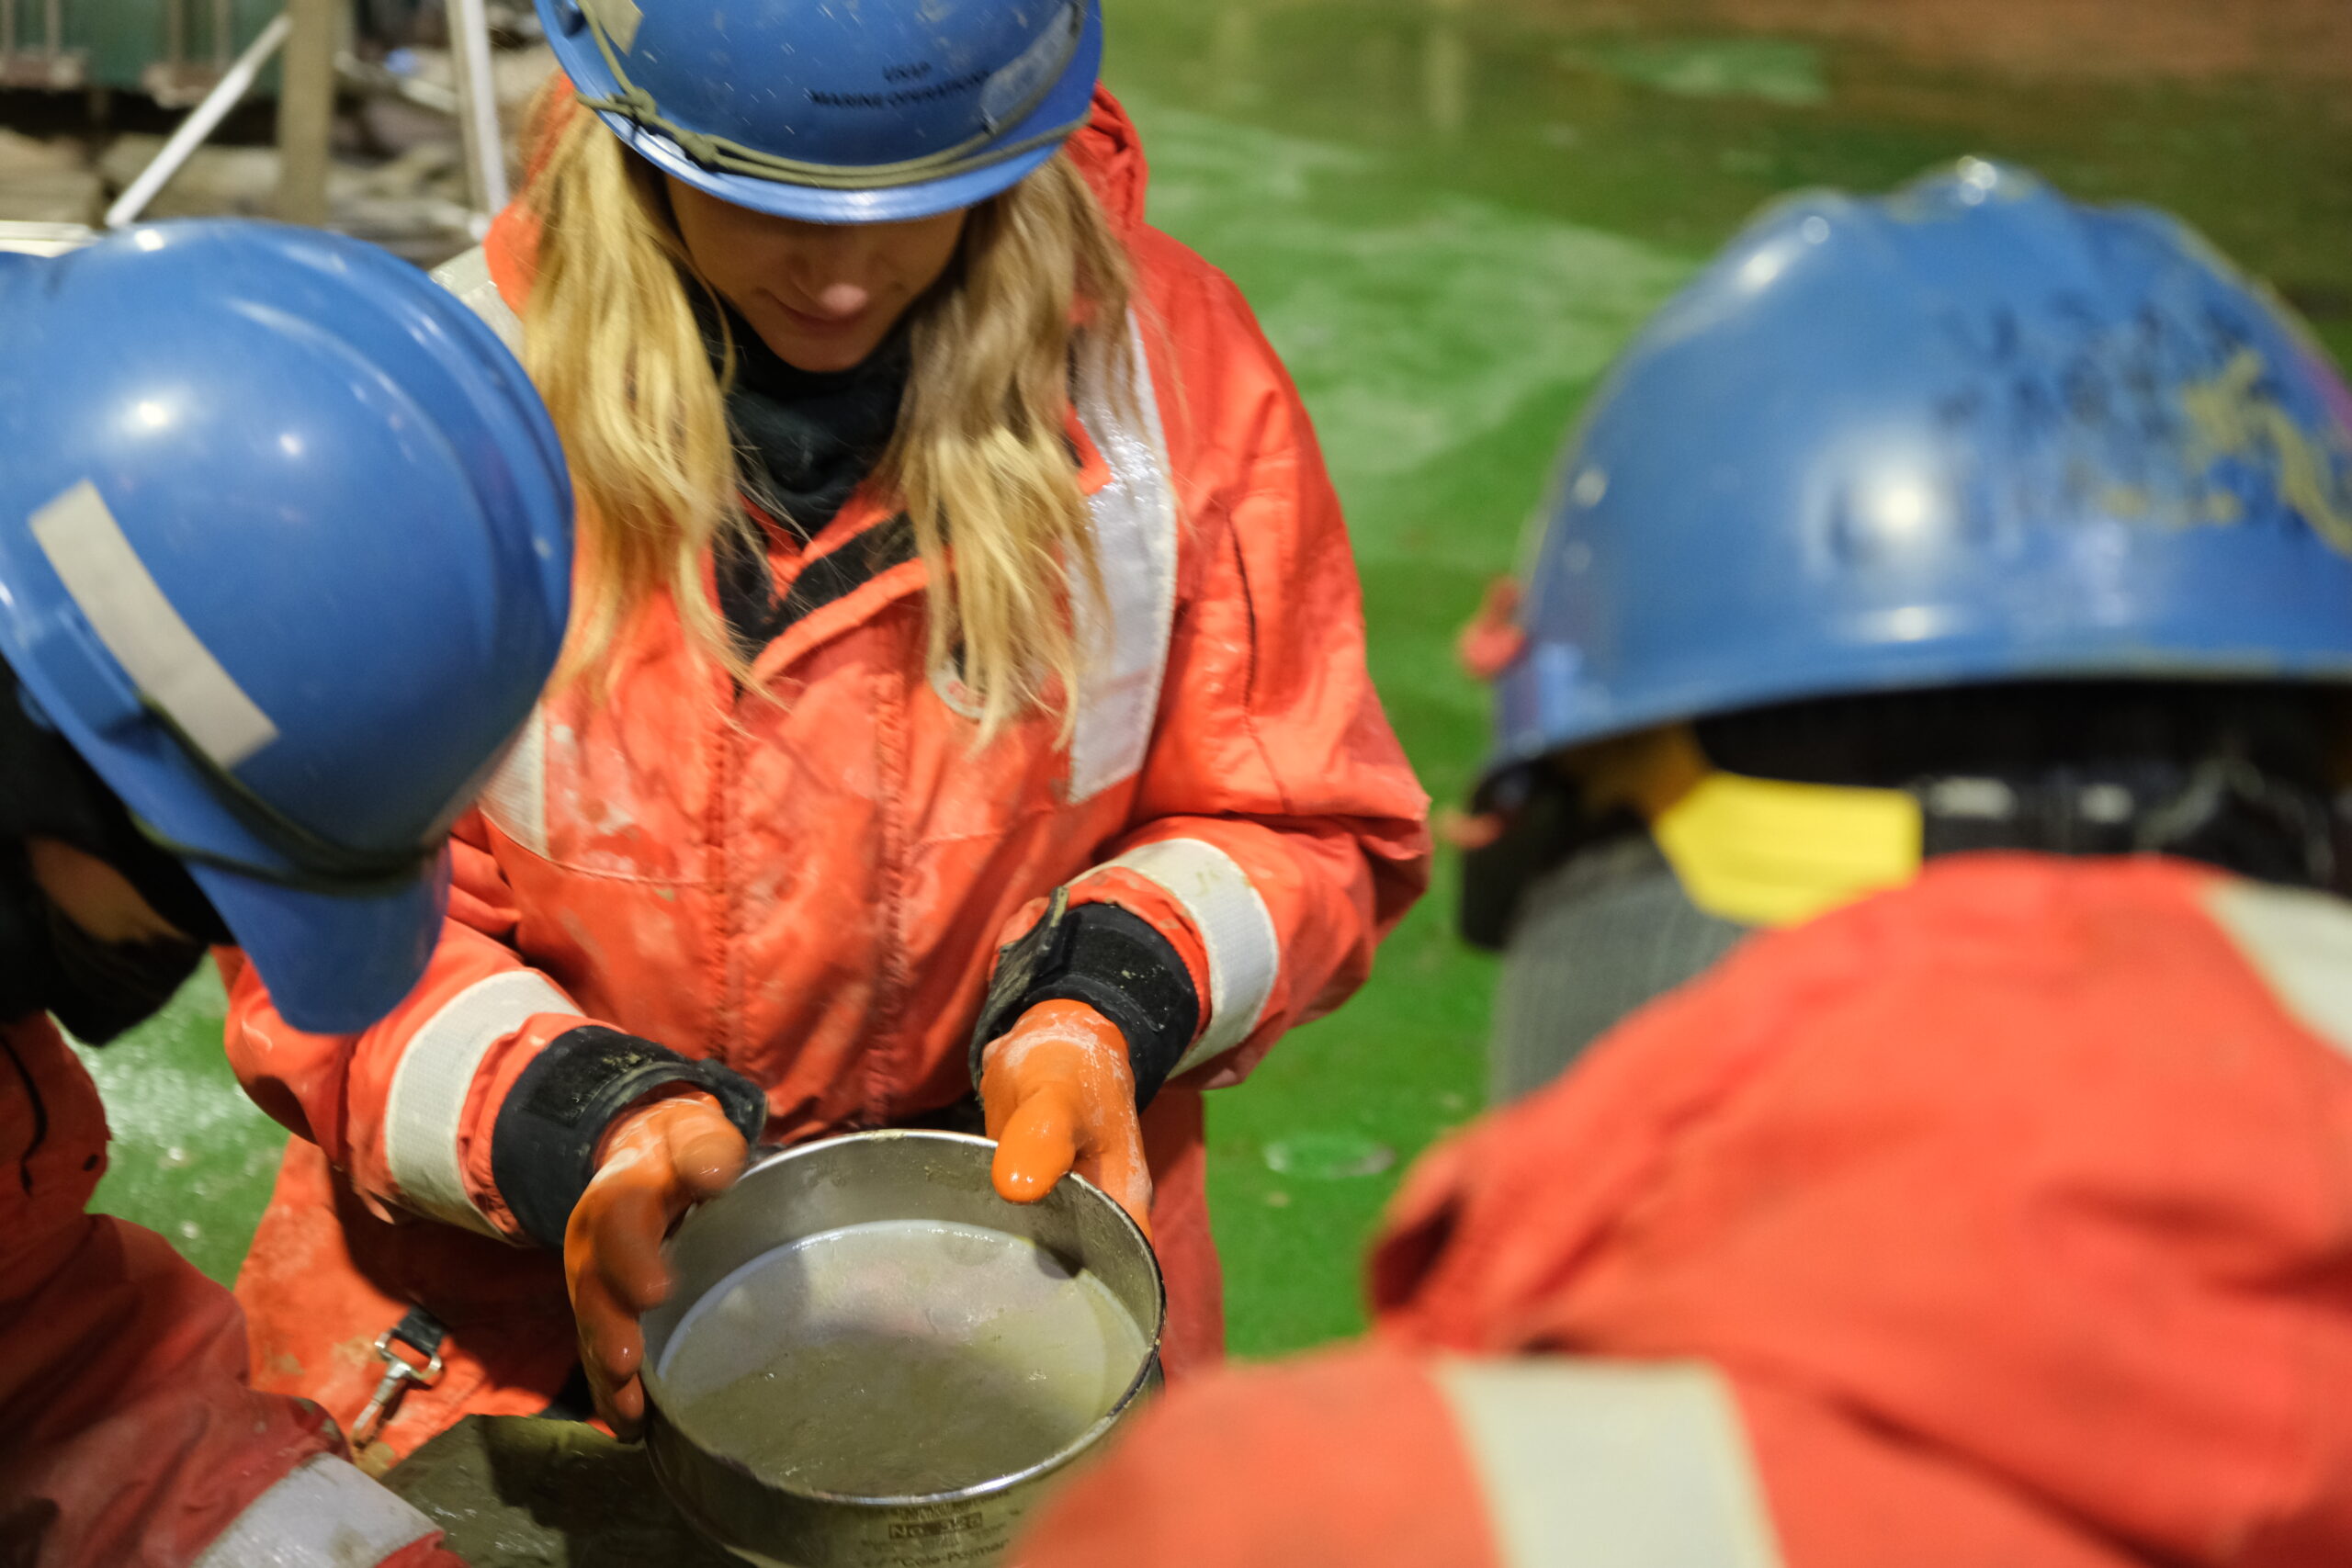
column 809, row 882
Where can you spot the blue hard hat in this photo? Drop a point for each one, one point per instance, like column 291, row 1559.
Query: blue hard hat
column 284, row 552
column 1970, row 432
column 873, row 111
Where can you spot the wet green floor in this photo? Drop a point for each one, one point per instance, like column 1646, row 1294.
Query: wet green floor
column 1449, row 218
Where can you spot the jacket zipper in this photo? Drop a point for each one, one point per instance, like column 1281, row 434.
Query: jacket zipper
column 726, row 1021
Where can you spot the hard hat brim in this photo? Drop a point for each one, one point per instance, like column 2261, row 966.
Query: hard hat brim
column 333, row 964
column 1068, row 104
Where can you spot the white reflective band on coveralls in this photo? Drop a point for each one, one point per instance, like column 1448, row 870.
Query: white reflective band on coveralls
column 516, row 797
column 2300, row 942
column 1123, row 641
column 1611, row 1464
column 1236, row 928
column 468, row 277
column 324, row 1515
column 426, row 1105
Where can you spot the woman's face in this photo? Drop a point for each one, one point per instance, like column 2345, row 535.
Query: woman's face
column 822, row 295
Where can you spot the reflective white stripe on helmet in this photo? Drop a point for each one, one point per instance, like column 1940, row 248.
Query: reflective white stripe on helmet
column 516, row 797
column 161, row 653
column 2300, row 942
column 44, row 238
column 468, row 277
column 1123, row 640
column 324, row 1515
column 1245, row 957
column 426, row 1107
column 1611, row 1464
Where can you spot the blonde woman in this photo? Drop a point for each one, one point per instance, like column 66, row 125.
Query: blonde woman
column 967, row 684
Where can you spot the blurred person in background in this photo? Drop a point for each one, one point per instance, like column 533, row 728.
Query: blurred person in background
column 1953, row 591
column 284, row 562
column 971, row 694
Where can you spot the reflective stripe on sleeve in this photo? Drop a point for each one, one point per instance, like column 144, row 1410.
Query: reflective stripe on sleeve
column 2298, row 940
column 323, row 1514
column 1235, row 930
column 427, row 1104
column 1617, row 1464
column 1123, row 640
column 160, row 651
column 516, row 797
column 468, row 277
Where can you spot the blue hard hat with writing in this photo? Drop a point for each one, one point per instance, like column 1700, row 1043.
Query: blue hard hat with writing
column 1970, row 432
column 864, row 112
column 284, row 552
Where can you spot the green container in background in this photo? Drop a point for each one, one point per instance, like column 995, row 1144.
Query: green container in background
column 170, row 49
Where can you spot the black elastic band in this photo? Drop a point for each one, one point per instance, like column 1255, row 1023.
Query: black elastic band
column 421, row 1332
column 1115, row 962
column 543, row 1149
column 319, row 865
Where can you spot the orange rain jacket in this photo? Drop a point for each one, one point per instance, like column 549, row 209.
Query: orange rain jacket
column 2006, row 1219
column 129, row 1435
column 809, row 883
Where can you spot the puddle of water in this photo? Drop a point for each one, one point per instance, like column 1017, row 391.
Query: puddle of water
column 1329, row 1156
column 1774, row 71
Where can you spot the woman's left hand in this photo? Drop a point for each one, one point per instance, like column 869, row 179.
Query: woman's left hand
column 1060, row 1097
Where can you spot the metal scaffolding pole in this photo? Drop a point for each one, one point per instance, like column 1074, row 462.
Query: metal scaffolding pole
column 478, row 107
column 200, row 124
column 306, row 112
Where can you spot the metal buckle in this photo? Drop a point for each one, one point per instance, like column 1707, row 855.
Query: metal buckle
column 419, row 1332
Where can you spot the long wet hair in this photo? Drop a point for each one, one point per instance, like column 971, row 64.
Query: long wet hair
column 978, row 460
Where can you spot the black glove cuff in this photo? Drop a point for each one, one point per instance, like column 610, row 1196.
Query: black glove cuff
column 543, row 1149
column 1112, row 959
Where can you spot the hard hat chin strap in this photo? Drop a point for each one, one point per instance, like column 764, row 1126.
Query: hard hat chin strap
column 314, row 864
column 638, row 106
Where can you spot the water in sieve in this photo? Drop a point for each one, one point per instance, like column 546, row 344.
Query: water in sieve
column 899, row 1358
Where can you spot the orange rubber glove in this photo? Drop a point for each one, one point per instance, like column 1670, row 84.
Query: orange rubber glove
column 1060, row 1097
column 657, row 1159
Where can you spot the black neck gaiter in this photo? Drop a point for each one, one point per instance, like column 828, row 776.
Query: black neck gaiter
column 97, row 989
column 804, row 442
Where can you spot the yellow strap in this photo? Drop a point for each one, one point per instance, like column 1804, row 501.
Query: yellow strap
column 1765, row 852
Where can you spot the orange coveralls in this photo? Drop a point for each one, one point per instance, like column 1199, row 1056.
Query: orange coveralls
column 129, row 1435
column 809, row 882
column 2006, row 1219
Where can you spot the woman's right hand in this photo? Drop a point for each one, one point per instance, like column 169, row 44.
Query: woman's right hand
column 657, row 1159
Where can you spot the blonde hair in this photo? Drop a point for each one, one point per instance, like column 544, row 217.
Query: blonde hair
column 978, row 458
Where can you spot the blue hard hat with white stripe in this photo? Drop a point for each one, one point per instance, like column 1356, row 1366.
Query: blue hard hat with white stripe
column 284, row 552
column 1970, row 432
column 877, row 111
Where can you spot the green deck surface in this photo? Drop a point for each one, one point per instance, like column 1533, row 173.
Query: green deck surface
column 1449, row 219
